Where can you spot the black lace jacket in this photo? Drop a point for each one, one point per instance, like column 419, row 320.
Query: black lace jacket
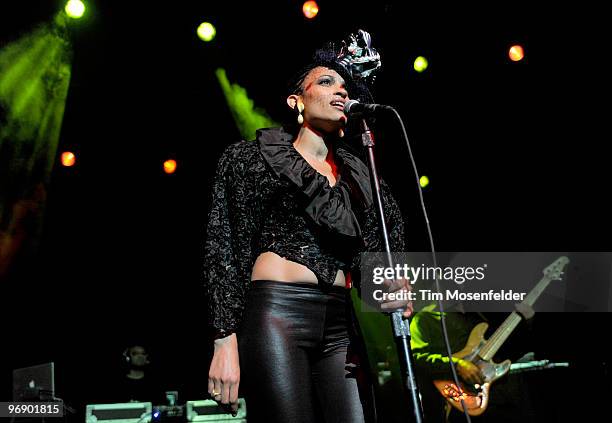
column 266, row 197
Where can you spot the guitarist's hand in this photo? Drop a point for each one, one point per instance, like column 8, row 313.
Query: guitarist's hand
column 469, row 372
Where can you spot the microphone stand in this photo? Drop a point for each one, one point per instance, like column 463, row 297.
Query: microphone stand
column 401, row 327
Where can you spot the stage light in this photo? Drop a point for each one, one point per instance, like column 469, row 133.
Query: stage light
column 247, row 116
column 424, row 181
column 68, row 159
column 207, row 31
column 75, row 9
column 516, row 53
column 310, row 9
column 170, row 166
column 420, row 64
column 35, row 71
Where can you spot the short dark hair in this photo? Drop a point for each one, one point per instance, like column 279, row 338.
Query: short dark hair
column 327, row 57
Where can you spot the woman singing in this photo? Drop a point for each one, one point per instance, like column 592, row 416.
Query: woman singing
column 291, row 213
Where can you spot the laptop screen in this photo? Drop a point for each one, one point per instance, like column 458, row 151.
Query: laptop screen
column 34, row 383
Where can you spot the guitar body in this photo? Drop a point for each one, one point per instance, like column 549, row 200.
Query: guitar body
column 480, row 351
column 476, row 398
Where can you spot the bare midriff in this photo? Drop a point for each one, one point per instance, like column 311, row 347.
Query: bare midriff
column 270, row 266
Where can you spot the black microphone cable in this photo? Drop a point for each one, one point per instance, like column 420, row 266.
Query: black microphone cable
column 435, row 262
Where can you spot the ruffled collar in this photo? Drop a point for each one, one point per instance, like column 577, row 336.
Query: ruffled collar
column 330, row 207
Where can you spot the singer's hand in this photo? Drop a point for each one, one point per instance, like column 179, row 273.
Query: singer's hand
column 224, row 373
column 399, row 287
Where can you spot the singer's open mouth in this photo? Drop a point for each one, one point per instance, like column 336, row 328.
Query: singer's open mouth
column 338, row 105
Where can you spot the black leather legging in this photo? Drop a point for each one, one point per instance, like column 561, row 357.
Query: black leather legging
column 298, row 355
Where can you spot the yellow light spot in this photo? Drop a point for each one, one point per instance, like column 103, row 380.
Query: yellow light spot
column 207, row 31
column 424, row 181
column 516, row 53
column 75, row 9
column 420, row 64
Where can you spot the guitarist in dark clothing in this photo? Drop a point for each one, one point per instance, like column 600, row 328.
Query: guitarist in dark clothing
column 508, row 399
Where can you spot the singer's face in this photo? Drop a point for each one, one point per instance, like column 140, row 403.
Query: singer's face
column 324, row 94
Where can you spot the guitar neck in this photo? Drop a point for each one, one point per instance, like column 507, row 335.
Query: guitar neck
column 537, row 290
column 494, row 343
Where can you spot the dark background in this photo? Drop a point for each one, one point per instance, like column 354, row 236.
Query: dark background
column 514, row 151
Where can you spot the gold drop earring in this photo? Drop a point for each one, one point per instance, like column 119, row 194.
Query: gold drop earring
column 300, row 118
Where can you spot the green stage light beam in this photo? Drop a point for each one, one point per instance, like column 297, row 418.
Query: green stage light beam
column 35, row 74
column 248, row 118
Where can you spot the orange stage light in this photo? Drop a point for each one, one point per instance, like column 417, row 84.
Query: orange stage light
column 310, row 9
column 68, row 158
column 170, row 166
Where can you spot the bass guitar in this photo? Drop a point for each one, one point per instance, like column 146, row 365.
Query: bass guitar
column 481, row 352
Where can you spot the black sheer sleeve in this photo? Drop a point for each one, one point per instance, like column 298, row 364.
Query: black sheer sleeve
column 227, row 252
column 395, row 223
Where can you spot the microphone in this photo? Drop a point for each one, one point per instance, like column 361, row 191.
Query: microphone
column 352, row 107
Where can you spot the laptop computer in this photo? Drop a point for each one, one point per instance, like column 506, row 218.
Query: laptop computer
column 34, row 383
